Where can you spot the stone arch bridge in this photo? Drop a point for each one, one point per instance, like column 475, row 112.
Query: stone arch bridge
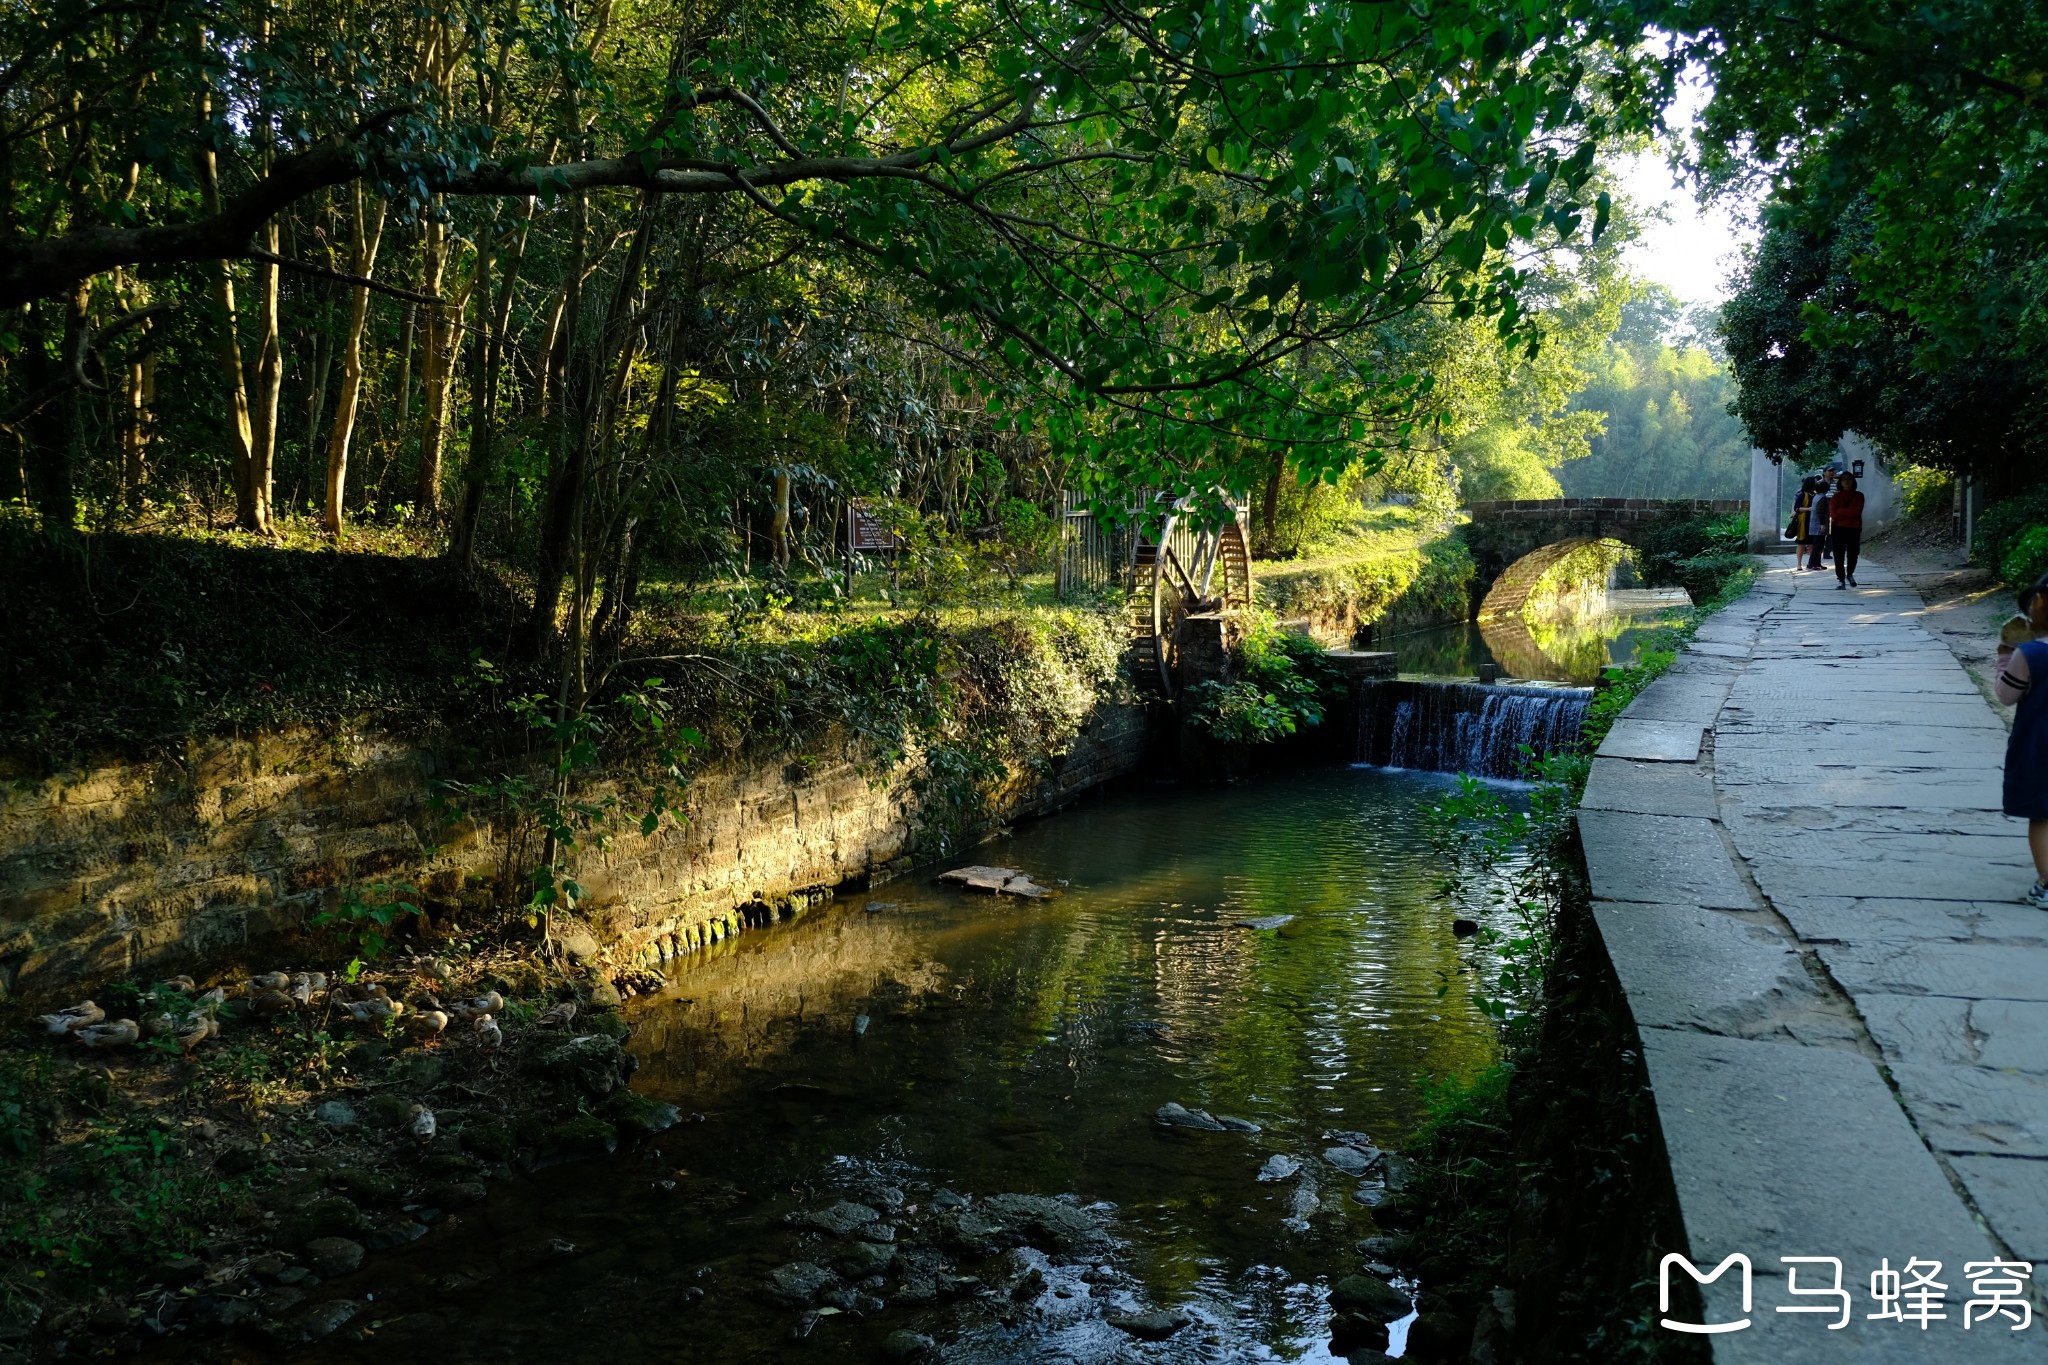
column 1517, row 542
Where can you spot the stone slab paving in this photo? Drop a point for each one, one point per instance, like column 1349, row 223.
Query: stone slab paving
column 1662, row 741
column 1844, row 1009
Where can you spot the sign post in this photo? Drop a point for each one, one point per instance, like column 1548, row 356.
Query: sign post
column 866, row 534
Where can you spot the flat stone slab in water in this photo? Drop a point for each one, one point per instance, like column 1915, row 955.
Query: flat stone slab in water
column 1001, row 881
column 1155, row 1326
column 1278, row 1167
column 1172, row 1115
column 1654, row 741
column 838, row 1220
column 1264, row 922
column 1350, row 1160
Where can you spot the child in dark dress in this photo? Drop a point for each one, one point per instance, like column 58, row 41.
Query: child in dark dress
column 2023, row 682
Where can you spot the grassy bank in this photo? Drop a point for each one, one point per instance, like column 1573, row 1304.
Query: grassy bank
column 1395, row 573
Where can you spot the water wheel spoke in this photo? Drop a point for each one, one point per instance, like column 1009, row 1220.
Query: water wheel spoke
column 1187, row 584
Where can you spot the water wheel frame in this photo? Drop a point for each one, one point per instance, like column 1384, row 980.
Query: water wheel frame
column 1216, row 577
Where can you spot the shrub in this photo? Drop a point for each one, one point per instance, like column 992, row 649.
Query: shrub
column 2001, row 526
column 2027, row 560
column 1282, row 682
column 1698, row 553
column 1924, row 492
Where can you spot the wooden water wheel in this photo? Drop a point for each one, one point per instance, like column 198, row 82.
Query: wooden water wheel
column 1176, row 572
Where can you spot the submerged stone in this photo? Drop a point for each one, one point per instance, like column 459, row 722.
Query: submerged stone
column 838, row 1220
column 329, row 1216
column 579, row 1137
column 1173, row 1115
column 1001, row 881
column 1157, row 1325
column 799, row 1283
column 903, row 1346
column 1351, row 1160
column 641, row 1115
column 331, row 1256
column 1369, row 1297
column 1048, row 1224
column 1264, row 922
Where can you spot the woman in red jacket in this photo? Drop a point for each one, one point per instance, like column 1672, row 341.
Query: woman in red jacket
column 1845, row 529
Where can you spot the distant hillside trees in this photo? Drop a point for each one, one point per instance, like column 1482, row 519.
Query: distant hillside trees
column 1668, row 432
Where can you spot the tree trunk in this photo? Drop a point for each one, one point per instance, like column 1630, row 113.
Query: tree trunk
column 437, row 368
column 253, row 504
column 365, row 238
column 778, row 525
column 50, row 430
column 571, row 448
column 405, row 350
column 137, row 429
column 1265, row 533
column 483, row 395
column 228, row 343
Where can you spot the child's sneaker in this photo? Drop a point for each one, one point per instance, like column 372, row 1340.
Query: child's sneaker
column 2038, row 897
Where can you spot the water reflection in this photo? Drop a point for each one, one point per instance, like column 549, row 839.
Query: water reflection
column 1008, row 1047
column 1566, row 648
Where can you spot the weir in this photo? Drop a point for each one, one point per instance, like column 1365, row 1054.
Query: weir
column 1440, row 725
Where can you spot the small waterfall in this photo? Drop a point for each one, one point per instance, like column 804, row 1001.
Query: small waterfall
column 1461, row 727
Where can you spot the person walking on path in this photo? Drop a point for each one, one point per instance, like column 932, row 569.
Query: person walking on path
column 2023, row 682
column 1817, row 521
column 1845, row 529
column 1799, row 530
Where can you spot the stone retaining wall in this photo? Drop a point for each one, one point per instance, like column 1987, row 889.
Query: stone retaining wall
column 195, row 858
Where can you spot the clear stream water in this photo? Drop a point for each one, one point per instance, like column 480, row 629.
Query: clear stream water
column 916, row 1039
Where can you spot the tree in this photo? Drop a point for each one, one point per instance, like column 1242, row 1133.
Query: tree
column 1814, row 359
column 1914, row 130
column 1167, row 212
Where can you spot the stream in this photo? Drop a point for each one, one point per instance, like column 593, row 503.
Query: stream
column 923, row 1110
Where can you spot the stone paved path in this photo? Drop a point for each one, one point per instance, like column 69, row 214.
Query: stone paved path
column 1843, row 1008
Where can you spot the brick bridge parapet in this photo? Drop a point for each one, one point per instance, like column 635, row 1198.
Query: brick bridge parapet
column 1515, row 542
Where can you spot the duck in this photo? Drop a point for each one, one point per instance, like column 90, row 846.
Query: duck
column 202, row 1027
column 489, row 1003
column 560, row 1016
column 183, row 985
column 303, row 984
column 266, row 1004
column 71, row 1020
column 373, row 1010
column 213, row 999
column 269, row 981
column 487, row 1031
column 119, row 1033
column 424, row 1024
column 155, row 1025
column 422, row 1127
